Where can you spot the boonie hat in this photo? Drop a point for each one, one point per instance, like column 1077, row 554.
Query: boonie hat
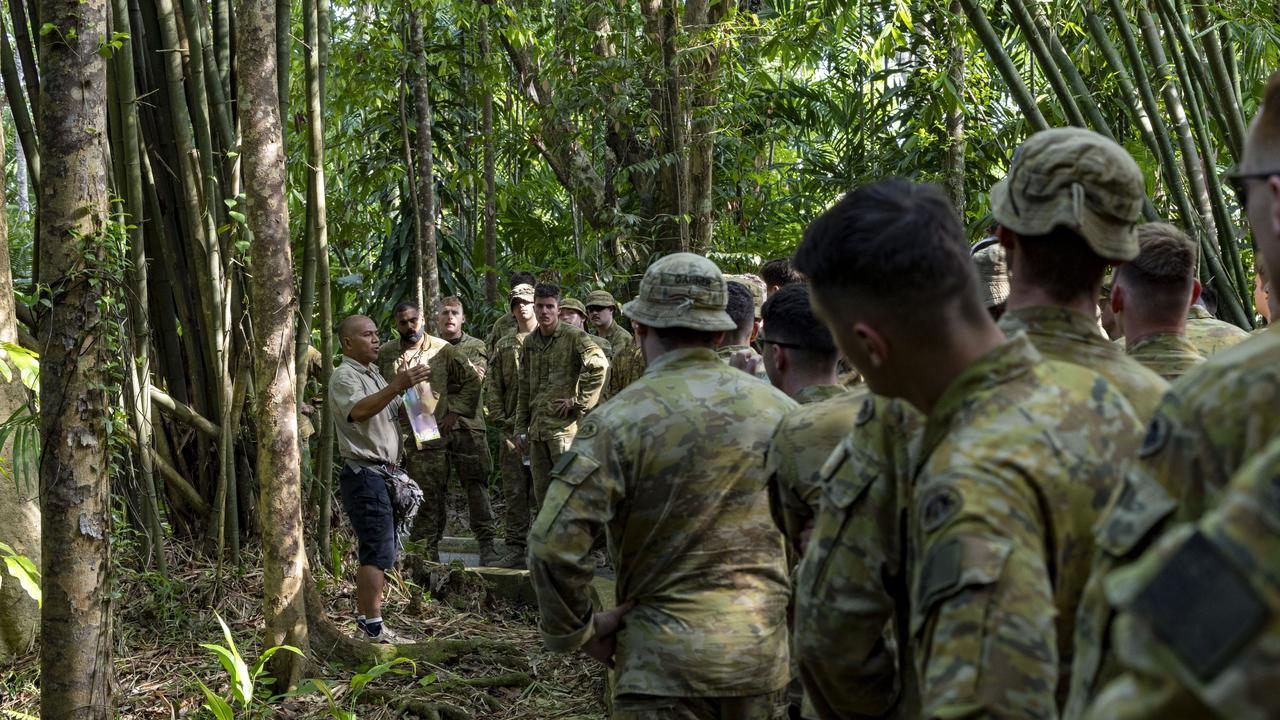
column 756, row 285
column 573, row 304
column 1077, row 179
column 523, row 291
column 993, row 272
column 682, row 290
column 600, row 298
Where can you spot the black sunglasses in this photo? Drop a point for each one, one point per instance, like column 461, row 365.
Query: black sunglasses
column 1239, row 183
column 779, row 343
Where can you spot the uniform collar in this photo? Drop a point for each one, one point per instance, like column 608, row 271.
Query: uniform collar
column 1167, row 341
column 818, row 393
column 1051, row 320
column 361, row 367
column 1006, row 362
column 1198, row 313
column 682, row 357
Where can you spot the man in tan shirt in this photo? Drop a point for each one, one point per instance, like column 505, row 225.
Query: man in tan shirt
column 365, row 408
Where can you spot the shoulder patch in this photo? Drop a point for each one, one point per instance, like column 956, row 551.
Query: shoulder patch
column 588, row 428
column 1202, row 607
column 939, row 506
column 1157, row 437
column 941, row 572
column 866, row 412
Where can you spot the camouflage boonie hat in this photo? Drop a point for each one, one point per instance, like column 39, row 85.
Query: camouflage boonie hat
column 993, row 272
column 682, row 290
column 600, row 298
column 573, row 304
column 755, row 285
column 1077, row 179
column 524, row 292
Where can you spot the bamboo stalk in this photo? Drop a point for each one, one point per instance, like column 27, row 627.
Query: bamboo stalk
column 185, row 413
column 1040, row 49
column 22, row 122
column 1004, row 65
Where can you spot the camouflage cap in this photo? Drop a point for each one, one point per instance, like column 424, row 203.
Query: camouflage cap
column 993, row 271
column 600, row 298
column 753, row 283
column 682, row 290
column 573, row 304
column 1077, row 179
column 524, row 292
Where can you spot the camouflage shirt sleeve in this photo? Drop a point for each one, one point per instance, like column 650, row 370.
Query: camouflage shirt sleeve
column 496, row 388
column 520, row 426
column 592, row 377
column 586, row 485
column 982, row 600
column 464, row 395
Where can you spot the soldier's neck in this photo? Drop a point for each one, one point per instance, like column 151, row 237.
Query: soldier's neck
column 452, row 338
column 602, row 329
column 549, row 331
column 1022, row 294
column 794, row 382
column 526, row 326
column 1137, row 327
column 410, row 344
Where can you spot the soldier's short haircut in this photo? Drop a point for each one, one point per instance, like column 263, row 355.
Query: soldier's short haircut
column 1061, row 264
column 741, row 306
column 401, row 307
column 1160, row 279
column 788, row 318
column 523, row 277
column 894, row 249
column 779, row 273
column 1209, row 298
column 452, row 301
column 546, row 290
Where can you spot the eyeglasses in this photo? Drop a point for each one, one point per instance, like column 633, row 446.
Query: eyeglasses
column 1240, row 185
column 779, row 343
column 597, row 308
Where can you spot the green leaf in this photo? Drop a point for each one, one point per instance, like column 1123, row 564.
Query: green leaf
column 216, row 705
column 360, row 680
column 28, row 577
column 266, row 655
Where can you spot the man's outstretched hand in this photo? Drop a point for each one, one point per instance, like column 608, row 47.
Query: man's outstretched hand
column 605, row 639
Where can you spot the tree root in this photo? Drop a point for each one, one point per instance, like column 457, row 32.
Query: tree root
column 412, row 706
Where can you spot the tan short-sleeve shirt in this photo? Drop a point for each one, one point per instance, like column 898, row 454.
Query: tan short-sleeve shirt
column 376, row 439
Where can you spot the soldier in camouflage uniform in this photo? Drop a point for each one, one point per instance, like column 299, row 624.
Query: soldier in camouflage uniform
column 627, row 367
column 800, row 360
column 737, row 350
column 502, row 397
column 1216, row 418
column 506, row 323
column 468, row 446
column 601, row 307
column 562, row 372
column 1149, row 297
column 1069, row 195
column 1199, row 619
column 670, row 474
column 573, row 312
column 1018, row 455
column 1208, row 334
column 451, row 392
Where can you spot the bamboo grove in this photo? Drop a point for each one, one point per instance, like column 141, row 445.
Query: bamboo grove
column 433, row 145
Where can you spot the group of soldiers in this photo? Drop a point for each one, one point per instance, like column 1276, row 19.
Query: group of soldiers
column 1048, row 488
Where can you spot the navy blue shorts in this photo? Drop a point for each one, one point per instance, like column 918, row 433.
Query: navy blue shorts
column 364, row 497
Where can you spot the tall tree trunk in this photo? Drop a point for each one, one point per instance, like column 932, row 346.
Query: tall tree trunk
column 425, row 171
column 19, row 503
column 272, row 306
column 490, row 191
column 955, row 113
column 75, row 660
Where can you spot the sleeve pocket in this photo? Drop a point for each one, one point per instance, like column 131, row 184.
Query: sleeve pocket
column 569, row 472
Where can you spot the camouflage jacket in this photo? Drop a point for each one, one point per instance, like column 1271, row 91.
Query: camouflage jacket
column 671, row 473
column 726, row 351
column 476, row 353
column 451, row 387
column 1067, row 336
column 1021, row 456
column 502, row 382
column 503, row 326
column 618, row 338
column 607, row 389
column 851, row 607
column 626, row 367
column 1217, row 417
column 1199, row 621
column 566, row 366
column 1208, row 334
column 800, row 447
column 1169, row 355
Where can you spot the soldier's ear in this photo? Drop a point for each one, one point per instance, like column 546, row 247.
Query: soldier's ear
column 1195, row 292
column 871, row 345
column 1117, row 297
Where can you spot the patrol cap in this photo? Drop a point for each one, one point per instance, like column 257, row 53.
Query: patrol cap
column 755, row 285
column 1077, row 179
column 573, row 304
column 523, row 291
column 993, row 272
column 600, row 298
column 682, row 290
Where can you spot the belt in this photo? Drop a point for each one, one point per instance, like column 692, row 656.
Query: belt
column 363, row 464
